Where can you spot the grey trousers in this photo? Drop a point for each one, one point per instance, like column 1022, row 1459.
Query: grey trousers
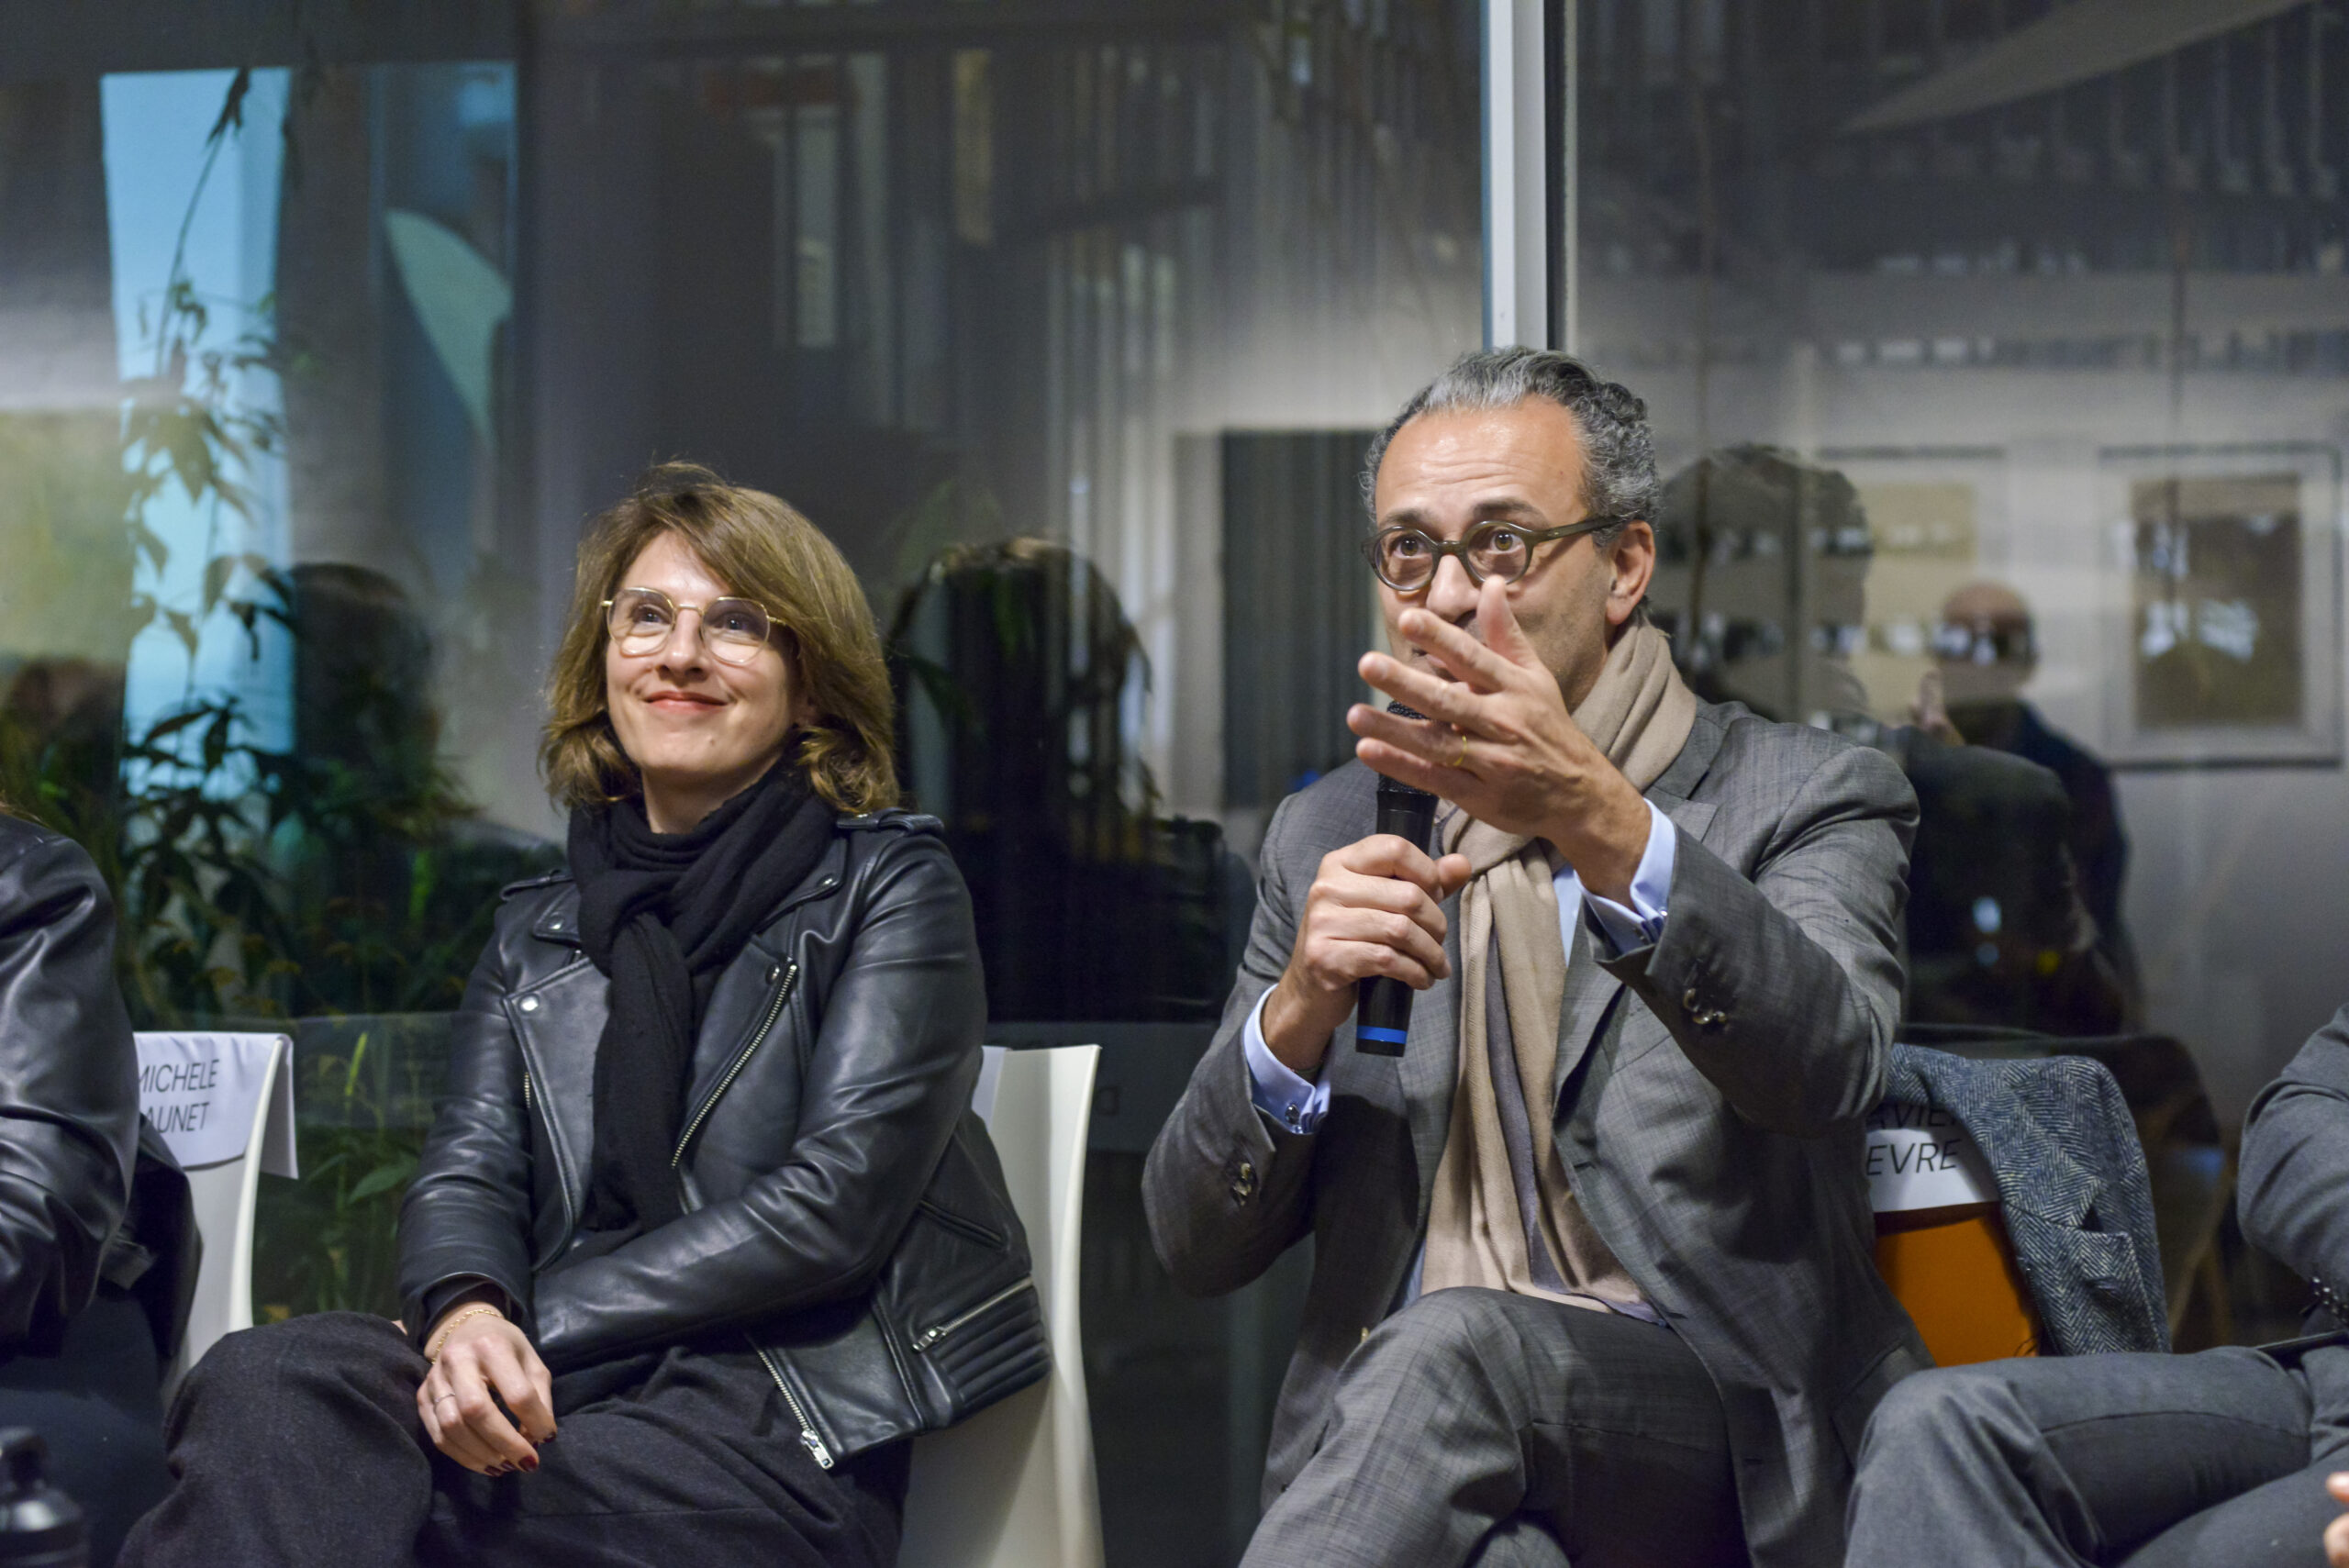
column 1477, row 1427
column 2154, row 1462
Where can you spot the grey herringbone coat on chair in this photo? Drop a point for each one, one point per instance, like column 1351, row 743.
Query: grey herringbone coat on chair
column 1710, row 1111
column 2072, row 1188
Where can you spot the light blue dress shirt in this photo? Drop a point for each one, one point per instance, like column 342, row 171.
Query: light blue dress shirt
column 1299, row 1105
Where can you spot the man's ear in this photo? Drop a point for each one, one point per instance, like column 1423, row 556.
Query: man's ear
column 1633, row 557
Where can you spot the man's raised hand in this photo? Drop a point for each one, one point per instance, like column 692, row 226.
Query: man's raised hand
column 1499, row 742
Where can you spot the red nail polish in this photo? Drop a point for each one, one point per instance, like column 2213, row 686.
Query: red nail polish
column 530, row 1464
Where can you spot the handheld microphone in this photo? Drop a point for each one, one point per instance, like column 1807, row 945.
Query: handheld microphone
column 1382, row 1014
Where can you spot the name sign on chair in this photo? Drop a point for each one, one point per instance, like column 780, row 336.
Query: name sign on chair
column 1919, row 1157
column 205, row 1092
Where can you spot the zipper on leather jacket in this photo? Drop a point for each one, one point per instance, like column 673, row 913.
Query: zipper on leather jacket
column 766, row 1024
column 808, row 1436
column 929, row 1339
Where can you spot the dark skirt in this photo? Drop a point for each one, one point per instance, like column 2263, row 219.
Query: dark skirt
column 300, row 1444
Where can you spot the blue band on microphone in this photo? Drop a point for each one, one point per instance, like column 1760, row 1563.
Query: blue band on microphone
column 1392, row 1036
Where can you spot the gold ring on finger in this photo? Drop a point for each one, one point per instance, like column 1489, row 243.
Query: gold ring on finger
column 1461, row 759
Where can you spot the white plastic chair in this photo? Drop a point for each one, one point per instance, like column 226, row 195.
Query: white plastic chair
column 224, row 1103
column 1013, row 1486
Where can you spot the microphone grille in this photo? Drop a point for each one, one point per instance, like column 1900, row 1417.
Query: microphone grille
column 1396, row 789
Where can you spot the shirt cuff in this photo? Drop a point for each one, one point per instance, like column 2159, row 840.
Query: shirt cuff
column 1280, row 1093
column 1642, row 925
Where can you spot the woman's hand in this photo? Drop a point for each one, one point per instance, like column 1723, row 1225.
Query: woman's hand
column 2336, row 1535
column 482, row 1354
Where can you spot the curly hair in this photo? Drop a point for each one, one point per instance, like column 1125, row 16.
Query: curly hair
column 763, row 549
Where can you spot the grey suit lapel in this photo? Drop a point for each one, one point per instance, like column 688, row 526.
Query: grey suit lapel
column 1429, row 1068
column 1590, row 992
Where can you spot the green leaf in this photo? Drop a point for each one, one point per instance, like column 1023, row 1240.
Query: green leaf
column 183, row 627
column 382, row 1179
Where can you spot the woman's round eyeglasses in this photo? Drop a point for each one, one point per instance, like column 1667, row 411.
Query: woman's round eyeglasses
column 640, row 620
column 1406, row 558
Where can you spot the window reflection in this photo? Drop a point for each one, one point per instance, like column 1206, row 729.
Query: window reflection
column 1034, row 305
column 2004, row 348
column 1980, row 352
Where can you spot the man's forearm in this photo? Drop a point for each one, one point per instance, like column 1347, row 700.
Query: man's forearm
column 1224, row 1189
column 1795, row 1039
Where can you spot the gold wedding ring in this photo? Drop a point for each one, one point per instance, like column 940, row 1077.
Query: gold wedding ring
column 1462, row 760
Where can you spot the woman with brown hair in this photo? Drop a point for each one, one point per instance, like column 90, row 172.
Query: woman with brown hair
column 704, row 1195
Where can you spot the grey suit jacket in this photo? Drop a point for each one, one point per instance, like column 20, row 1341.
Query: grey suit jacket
column 2293, row 1187
column 1712, row 1123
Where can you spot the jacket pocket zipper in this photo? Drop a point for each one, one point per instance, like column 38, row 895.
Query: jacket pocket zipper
column 809, row 1438
column 774, row 1011
column 970, row 1229
column 929, row 1339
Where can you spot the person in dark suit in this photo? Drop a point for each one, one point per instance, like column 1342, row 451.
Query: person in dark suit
column 1593, row 1280
column 78, row 1358
column 2220, row 1458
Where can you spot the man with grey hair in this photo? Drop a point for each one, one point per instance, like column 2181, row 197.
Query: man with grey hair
column 1593, row 1275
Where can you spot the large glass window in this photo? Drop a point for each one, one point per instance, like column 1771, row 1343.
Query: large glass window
column 1999, row 355
column 1065, row 322
column 1998, row 349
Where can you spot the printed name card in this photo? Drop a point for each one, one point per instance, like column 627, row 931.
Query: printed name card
column 204, row 1092
column 1919, row 1157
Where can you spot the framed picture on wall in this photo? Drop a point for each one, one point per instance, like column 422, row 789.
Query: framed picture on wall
column 1931, row 511
column 2226, row 641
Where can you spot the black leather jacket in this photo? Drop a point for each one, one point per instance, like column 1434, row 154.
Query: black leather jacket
column 845, row 1212
column 69, row 1086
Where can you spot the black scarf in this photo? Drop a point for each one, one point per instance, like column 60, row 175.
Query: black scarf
column 661, row 915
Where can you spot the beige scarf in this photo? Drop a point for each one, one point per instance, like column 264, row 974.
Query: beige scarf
column 1638, row 714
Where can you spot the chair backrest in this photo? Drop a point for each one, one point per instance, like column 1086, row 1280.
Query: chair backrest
column 1940, row 1244
column 224, row 1103
column 1013, row 1486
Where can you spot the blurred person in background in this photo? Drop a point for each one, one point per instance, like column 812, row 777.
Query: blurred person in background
column 1016, row 668
column 705, row 1166
column 1985, row 652
column 1996, row 933
column 79, row 1359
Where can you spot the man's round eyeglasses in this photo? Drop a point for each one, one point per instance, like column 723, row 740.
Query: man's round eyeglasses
column 640, row 620
column 1406, row 558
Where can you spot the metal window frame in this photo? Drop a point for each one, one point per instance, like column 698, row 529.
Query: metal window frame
column 1528, row 70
